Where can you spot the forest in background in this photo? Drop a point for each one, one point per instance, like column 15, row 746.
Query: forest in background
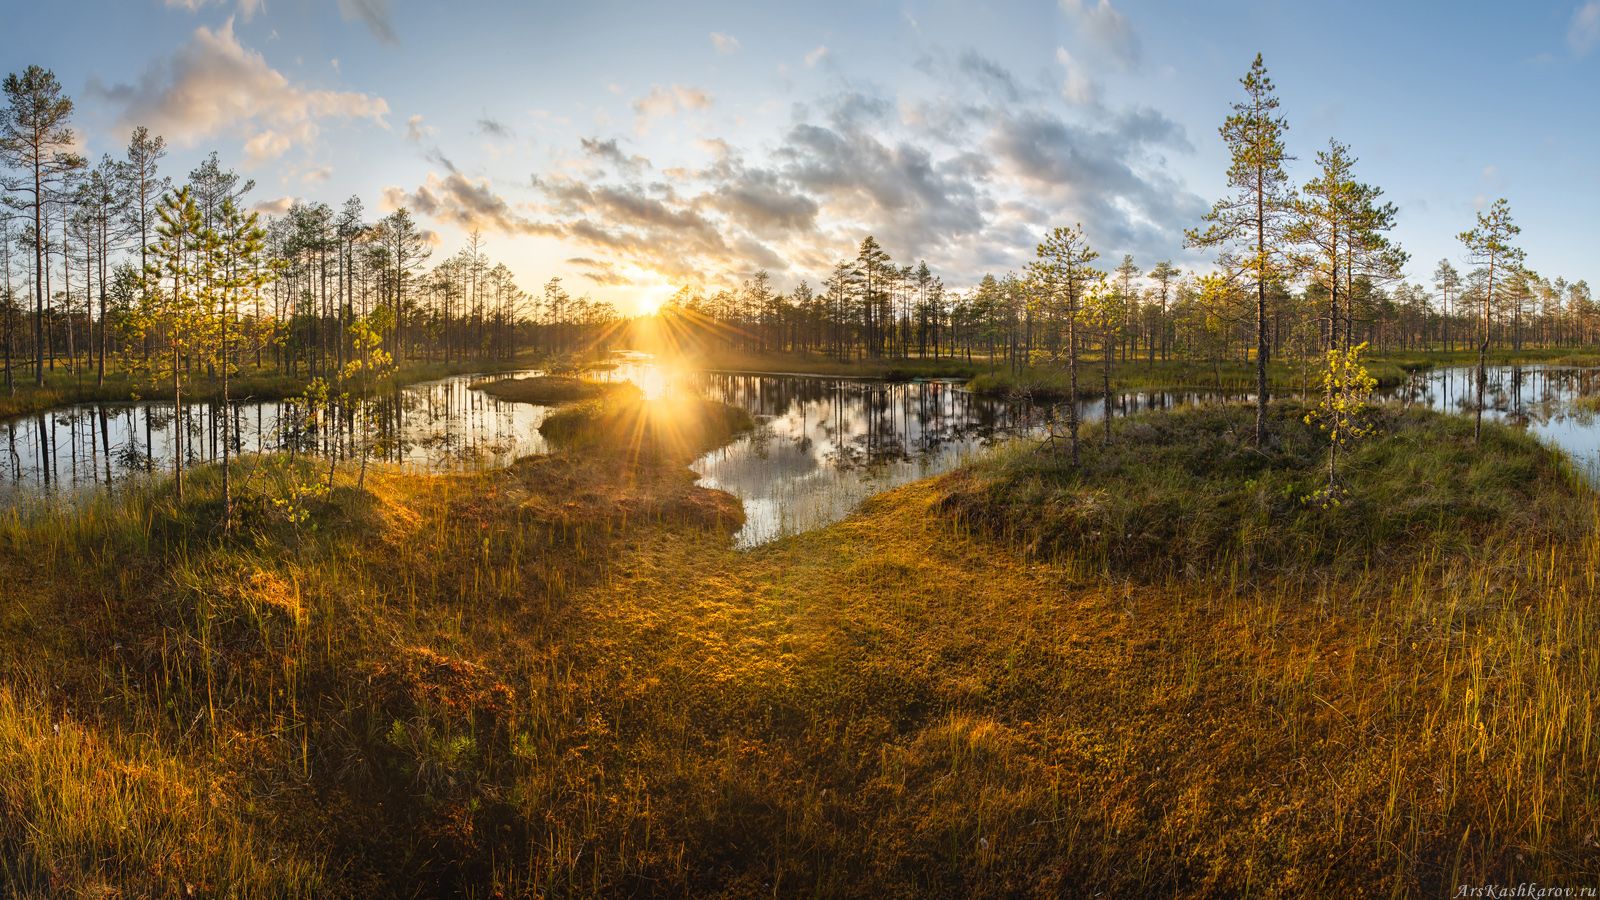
column 1350, row 653
column 79, row 289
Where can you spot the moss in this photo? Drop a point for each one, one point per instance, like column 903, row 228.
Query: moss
column 559, row 678
column 1185, row 489
column 623, row 424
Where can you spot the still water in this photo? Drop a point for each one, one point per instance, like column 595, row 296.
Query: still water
column 436, row 425
column 822, row 445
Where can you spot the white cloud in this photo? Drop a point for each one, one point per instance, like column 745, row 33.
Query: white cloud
column 816, row 56
column 1078, row 87
column 1108, row 30
column 417, row 131
column 663, row 101
column 1584, row 32
column 265, row 146
column 213, row 85
column 275, row 207
column 969, row 179
column 725, row 43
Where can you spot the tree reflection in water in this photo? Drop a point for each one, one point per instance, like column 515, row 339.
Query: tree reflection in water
column 821, row 446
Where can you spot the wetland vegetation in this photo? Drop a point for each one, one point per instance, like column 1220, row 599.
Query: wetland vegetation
column 327, row 573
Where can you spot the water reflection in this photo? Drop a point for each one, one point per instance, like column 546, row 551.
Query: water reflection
column 1556, row 403
column 822, row 445
column 437, row 425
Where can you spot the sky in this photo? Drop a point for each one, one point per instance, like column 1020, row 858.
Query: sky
column 634, row 148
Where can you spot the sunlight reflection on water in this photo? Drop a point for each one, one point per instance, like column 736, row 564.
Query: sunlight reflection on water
column 821, row 445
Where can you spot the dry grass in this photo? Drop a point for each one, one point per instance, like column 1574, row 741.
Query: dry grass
column 560, row 679
column 549, row 390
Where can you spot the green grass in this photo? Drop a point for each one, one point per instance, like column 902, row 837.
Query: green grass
column 1186, row 490
column 560, row 679
column 1497, row 356
column 1053, row 381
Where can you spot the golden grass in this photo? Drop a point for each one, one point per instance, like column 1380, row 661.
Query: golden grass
column 549, row 390
column 560, row 678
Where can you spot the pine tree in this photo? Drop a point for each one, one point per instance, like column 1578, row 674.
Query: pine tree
column 1489, row 246
column 1062, row 270
column 1249, row 224
column 34, row 138
column 236, row 245
column 177, row 306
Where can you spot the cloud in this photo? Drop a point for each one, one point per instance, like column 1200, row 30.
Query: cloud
column 650, row 226
column 265, row 146
column 609, row 152
column 991, row 74
column 213, row 85
column 494, row 127
column 374, row 14
column 763, row 202
column 967, row 173
column 725, row 43
column 416, row 131
column 662, row 102
column 900, row 188
column 1106, row 27
column 815, row 56
column 599, row 271
column 1109, row 178
column 467, row 203
column 1584, row 32
column 275, row 207
column 1078, row 87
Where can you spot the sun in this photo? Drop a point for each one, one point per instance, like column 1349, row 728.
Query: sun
column 650, row 301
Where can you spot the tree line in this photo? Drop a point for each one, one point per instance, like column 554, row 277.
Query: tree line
column 79, row 286
column 1298, row 270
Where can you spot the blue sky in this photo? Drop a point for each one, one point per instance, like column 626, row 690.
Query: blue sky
column 631, row 148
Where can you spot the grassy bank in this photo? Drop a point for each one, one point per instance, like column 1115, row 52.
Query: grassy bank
column 64, row 388
column 548, row 390
column 559, row 678
column 1051, row 380
column 1181, row 492
column 624, row 422
column 1054, row 381
column 1287, row 378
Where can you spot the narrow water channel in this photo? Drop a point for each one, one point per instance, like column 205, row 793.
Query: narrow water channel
column 822, row 445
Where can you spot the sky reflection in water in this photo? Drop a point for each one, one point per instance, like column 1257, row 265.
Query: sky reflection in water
column 822, row 445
